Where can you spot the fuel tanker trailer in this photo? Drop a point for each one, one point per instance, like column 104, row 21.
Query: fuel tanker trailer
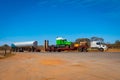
column 24, row 46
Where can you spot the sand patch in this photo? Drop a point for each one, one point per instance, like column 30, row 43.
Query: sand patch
column 52, row 62
column 82, row 65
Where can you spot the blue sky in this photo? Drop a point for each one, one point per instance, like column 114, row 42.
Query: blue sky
column 27, row 20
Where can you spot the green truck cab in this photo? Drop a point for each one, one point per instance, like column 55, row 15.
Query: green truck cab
column 62, row 42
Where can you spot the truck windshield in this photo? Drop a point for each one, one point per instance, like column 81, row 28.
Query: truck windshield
column 98, row 43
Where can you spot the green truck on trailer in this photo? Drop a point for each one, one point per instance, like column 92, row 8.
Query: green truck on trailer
column 61, row 45
column 62, row 42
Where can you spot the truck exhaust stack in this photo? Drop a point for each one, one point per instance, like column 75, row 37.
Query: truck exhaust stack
column 46, row 44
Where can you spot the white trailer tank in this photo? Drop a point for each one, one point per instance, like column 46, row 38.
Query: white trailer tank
column 23, row 44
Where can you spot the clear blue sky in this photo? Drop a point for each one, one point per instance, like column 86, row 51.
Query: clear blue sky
column 27, row 20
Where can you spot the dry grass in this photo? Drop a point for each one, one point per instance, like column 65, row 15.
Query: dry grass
column 113, row 50
column 8, row 54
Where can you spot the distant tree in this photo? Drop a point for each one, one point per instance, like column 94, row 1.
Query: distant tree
column 82, row 40
column 5, row 47
column 97, row 39
column 117, row 42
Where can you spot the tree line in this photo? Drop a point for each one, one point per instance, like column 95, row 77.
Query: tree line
column 116, row 44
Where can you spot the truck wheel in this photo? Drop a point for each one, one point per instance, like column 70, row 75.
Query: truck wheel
column 59, row 50
column 80, row 49
column 101, row 49
column 49, row 50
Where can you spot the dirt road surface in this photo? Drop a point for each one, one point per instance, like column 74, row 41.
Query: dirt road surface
column 61, row 66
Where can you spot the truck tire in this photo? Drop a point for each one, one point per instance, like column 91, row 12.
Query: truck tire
column 80, row 49
column 59, row 50
column 101, row 49
column 50, row 51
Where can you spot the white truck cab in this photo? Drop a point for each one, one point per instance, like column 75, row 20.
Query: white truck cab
column 99, row 45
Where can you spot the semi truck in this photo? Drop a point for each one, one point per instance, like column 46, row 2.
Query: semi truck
column 62, row 45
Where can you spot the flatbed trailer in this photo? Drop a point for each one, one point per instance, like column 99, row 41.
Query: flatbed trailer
column 64, row 45
column 58, row 49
